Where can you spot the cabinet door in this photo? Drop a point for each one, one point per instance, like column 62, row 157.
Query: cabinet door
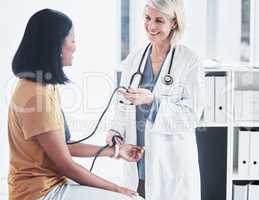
column 212, row 149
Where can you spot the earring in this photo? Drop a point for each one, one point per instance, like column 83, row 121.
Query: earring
column 174, row 27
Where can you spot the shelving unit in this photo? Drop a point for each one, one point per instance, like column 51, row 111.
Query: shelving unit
column 238, row 78
column 211, row 124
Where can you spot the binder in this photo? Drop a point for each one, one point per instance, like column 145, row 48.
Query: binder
column 253, row 191
column 254, row 155
column 209, row 111
column 240, row 192
column 255, row 105
column 246, row 106
column 239, row 106
column 221, row 99
column 243, row 153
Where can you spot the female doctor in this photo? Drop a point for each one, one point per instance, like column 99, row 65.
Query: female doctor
column 164, row 108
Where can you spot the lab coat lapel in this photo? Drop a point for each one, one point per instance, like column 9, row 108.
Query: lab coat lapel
column 137, row 60
column 131, row 109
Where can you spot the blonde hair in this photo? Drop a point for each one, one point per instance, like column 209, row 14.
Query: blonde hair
column 172, row 9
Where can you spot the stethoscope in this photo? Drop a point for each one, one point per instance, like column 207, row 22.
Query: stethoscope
column 167, row 80
column 135, row 80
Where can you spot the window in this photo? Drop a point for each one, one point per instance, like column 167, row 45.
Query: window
column 255, row 28
column 245, row 31
column 124, row 28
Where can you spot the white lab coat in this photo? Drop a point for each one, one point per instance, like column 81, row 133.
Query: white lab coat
column 171, row 157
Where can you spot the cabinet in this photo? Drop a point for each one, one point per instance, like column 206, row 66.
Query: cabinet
column 220, row 144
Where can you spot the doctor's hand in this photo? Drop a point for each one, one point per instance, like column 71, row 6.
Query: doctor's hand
column 130, row 152
column 138, row 96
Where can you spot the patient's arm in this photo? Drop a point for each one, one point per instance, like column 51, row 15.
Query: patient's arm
column 88, row 150
column 57, row 151
column 127, row 152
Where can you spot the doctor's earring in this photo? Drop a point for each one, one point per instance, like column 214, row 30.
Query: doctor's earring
column 174, row 27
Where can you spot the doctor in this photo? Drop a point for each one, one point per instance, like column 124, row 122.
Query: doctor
column 167, row 106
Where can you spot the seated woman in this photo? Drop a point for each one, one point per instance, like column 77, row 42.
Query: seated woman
column 40, row 160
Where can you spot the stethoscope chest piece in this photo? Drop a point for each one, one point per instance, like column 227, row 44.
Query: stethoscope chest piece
column 168, row 79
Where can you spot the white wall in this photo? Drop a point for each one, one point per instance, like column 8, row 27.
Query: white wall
column 228, row 32
column 195, row 36
column 137, row 32
column 97, row 37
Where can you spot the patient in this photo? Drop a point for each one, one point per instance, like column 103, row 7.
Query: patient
column 40, row 160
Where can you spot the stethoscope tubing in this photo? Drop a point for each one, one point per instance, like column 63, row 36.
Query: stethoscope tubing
column 168, row 79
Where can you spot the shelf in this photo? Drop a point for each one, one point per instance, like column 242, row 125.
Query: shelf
column 232, row 67
column 245, row 69
column 246, row 124
column 212, row 124
column 235, row 177
column 217, row 69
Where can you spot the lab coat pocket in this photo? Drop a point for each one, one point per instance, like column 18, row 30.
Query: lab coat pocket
column 171, row 92
column 176, row 153
column 169, row 119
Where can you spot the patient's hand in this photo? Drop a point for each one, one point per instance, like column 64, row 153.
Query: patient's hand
column 127, row 192
column 131, row 153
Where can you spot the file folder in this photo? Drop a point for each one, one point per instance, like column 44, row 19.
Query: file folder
column 254, row 155
column 209, row 111
column 241, row 111
column 246, row 106
column 240, row 192
column 253, row 191
column 221, row 99
column 243, row 153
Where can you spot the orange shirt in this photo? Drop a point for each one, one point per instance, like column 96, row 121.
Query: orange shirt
column 34, row 109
